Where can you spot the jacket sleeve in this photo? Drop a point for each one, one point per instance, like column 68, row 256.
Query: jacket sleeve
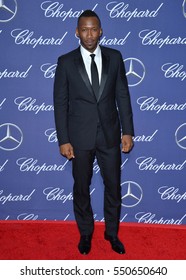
column 60, row 95
column 123, row 100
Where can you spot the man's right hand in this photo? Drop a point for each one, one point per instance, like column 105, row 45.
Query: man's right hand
column 67, row 150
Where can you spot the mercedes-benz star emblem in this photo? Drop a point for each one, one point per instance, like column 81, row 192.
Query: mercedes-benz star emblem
column 184, row 8
column 8, row 10
column 136, row 71
column 180, row 136
column 131, row 194
column 11, row 136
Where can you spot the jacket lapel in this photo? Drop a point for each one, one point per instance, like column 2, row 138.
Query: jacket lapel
column 104, row 75
column 81, row 68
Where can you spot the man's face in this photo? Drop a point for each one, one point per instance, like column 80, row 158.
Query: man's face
column 89, row 32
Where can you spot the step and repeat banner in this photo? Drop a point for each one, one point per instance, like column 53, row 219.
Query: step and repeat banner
column 35, row 180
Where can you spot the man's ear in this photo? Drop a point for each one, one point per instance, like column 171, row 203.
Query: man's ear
column 77, row 33
column 101, row 32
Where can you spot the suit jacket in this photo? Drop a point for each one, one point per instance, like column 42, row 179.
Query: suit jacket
column 77, row 112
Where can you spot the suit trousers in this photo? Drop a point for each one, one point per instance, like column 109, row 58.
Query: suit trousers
column 109, row 161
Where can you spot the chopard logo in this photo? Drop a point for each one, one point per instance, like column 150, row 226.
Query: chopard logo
column 121, row 10
column 8, row 10
column 136, row 71
column 150, row 218
column 51, row 135
column 114, row 41
column 49, row 70
column 16, row 197
column 151, row 104
column 153, row 37
column 180, row 136
column 56, row 9
column 24, row 216
column 145, row 138
column 57, row 194
column 15, row 74
column 11, row 136
column 25, row 37
column 173, row 71
column 32, row 165
column 30, row 104
column 150, row 164
column 171, row 193
column 132, row 194
column 34, row 217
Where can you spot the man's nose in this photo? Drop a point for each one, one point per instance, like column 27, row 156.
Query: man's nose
column 89, row 34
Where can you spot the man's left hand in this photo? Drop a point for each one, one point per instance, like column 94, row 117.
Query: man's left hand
column 127, row 143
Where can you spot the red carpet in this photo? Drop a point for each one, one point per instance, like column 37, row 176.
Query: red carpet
column 44, row 240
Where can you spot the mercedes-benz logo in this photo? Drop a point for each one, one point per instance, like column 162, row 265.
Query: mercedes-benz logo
column 136, row 71
column 184, row 8
column 11, row 136
column 180, row 136
column 8, row 10
column 131, row 194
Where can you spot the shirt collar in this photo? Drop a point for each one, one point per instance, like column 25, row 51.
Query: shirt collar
column 86, row 53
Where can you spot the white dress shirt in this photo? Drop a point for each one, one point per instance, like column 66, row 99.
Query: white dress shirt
column 87, row 60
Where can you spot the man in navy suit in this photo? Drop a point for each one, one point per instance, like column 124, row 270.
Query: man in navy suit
column 93, row 122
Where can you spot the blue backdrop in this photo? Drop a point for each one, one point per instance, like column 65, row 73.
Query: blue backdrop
column 35, row 180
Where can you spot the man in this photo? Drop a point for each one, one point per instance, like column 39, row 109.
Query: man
column 89, row 119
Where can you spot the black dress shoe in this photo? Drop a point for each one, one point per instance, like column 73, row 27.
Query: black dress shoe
column 84, row 245
column 116, row 244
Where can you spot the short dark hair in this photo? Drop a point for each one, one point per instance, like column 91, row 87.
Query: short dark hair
column 89, row 13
